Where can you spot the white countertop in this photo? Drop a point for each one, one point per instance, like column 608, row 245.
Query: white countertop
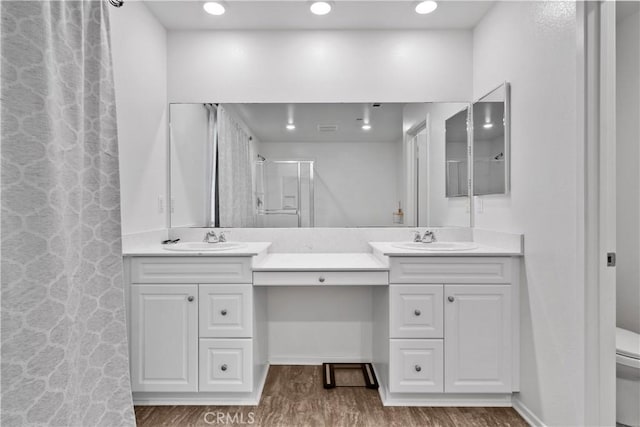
column 388, row 249
column 320, row 262
column 157, row 249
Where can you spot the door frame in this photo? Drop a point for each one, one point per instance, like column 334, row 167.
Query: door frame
column 596, row 204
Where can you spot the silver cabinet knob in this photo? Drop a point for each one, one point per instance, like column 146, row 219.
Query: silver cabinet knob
column 223, row 312
column 321, row 279
column 418, row 368
column 223, row 367
column 417, row 312
column 190, row 298
column 451, row 299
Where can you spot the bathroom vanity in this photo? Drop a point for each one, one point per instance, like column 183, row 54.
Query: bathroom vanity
column 444, row 330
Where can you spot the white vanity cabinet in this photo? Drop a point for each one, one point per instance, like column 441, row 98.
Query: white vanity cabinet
column 452, row 328
column 192, row 327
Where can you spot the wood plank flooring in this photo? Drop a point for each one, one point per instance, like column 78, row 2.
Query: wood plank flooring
column 293, row 397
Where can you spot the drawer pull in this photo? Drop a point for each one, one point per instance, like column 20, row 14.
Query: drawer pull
column 451, row 299
column 190, row 298
column 223, row 367
column 418, row 368
column 417, row 312
column 223, row 312
column 321, row 279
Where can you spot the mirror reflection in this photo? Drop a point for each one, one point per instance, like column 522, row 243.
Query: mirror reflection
column 491, row 143
column 311, row 165
column 456, row 143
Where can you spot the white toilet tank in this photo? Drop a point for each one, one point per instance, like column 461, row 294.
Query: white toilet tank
column 627, row 378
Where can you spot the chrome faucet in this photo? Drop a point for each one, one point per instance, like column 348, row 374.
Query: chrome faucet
column 429, row 237
column 211, row 237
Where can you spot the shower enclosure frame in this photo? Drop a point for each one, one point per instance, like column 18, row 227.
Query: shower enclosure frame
column 298, row 210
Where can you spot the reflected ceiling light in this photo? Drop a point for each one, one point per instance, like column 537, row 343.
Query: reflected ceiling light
column 213, row 8
column 487, row 125
column 366, row 126
column 320, row 7
column 291, row 126
column 426, row 7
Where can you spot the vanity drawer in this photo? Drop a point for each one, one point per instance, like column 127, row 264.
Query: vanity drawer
column 326, row 278
column 226, row 365
column 416, row 311
column 226, row 311
column 416, row 366
column 191, row 269
column 449, row 270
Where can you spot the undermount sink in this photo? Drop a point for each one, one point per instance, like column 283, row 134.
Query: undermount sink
column 436, row 246
column 204, row 247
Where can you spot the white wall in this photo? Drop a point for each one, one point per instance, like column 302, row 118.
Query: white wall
column 628, row 173
column 319, row 66
column 533, row 46
column 354, row 182
column 140, row 74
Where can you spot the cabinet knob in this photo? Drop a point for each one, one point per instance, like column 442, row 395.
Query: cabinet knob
column 223, row 367
column 321, row 279
column 223, row 312
column 417, row 312
column 190, row 298
column 451, row 299
column 418, row 368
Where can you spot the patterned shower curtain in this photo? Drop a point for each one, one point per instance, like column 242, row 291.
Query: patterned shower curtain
column 235, row 182
column 64, row 343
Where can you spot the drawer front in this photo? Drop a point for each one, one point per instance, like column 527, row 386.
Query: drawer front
column 191, row 270
column 416, row 366
column 226, row 365
column 325, row 278
column 226, row 311
column 416, row 311
column 449, row 270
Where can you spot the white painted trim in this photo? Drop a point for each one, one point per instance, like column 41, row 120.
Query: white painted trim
column 316, row 360
column 202, row 398
column 526, row 413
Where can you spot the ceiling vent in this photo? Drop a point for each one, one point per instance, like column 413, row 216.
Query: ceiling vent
column 327, row 128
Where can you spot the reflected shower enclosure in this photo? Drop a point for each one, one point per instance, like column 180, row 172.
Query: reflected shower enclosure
column 284, row 193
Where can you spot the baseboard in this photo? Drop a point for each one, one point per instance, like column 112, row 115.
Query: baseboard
column 314, row 360
column 526, row 413
column 448, row 400
column 202, row 398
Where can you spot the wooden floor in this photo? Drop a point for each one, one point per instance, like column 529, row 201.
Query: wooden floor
column 294, row 396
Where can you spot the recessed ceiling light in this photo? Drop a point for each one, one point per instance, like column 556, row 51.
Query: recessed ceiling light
column 320, row 8
column 366, row 126
column 426, row 7
column 291, row 126
column 213, row 8
column 487, row 125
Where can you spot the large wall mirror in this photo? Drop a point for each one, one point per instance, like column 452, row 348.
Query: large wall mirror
column 313, row 165
column 491, row 142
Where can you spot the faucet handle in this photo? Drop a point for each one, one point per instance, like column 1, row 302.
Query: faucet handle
column 416, row 236
column 222, row 237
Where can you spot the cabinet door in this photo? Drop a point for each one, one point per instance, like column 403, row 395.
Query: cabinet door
column 226, row 311
column 477, row 338
column 164, row 337
column 416, row 311
column 416, row 366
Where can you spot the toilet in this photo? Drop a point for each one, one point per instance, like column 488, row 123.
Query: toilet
column 627, row 378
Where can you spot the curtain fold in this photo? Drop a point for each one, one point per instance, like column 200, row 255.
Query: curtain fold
column 235, row 183
column 64, row 342
column 212, row 166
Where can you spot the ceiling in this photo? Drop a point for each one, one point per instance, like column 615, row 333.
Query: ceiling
column 295, row 15
column 268, row 122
